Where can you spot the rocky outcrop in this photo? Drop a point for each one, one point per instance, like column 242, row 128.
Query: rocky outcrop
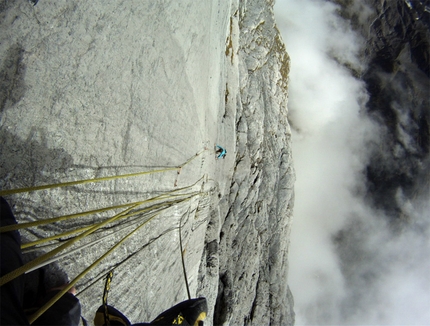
column 254, row 238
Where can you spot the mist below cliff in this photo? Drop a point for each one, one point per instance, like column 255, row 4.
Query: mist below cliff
column 352, row 261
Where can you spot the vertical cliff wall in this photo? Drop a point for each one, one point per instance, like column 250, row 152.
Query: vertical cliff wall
column 254, row 237
column 96, row 89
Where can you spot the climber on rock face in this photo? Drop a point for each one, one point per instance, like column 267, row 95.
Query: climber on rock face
column 220, row 151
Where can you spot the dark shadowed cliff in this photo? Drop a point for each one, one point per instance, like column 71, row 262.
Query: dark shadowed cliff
column 397, row 77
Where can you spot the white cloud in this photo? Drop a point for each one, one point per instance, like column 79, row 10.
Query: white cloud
column 331, row 144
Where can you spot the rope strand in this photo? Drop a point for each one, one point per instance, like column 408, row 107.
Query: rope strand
column 167, row 199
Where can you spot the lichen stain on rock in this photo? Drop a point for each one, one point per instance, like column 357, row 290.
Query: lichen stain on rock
column 279, row 49
column 229, row 42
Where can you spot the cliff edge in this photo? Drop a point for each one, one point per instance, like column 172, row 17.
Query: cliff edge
column 254, row 238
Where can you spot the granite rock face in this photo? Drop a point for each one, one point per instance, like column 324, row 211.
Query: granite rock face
column 94, row 89
column 255, row 232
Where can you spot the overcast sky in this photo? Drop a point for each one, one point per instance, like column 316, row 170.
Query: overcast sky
column 346, row 267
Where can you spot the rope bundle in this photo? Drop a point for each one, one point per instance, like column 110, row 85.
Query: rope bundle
column 146, row 210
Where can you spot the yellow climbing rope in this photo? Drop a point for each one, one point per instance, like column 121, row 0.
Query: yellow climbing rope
column 157, row 204
column 107, row 178
column 54, row 299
